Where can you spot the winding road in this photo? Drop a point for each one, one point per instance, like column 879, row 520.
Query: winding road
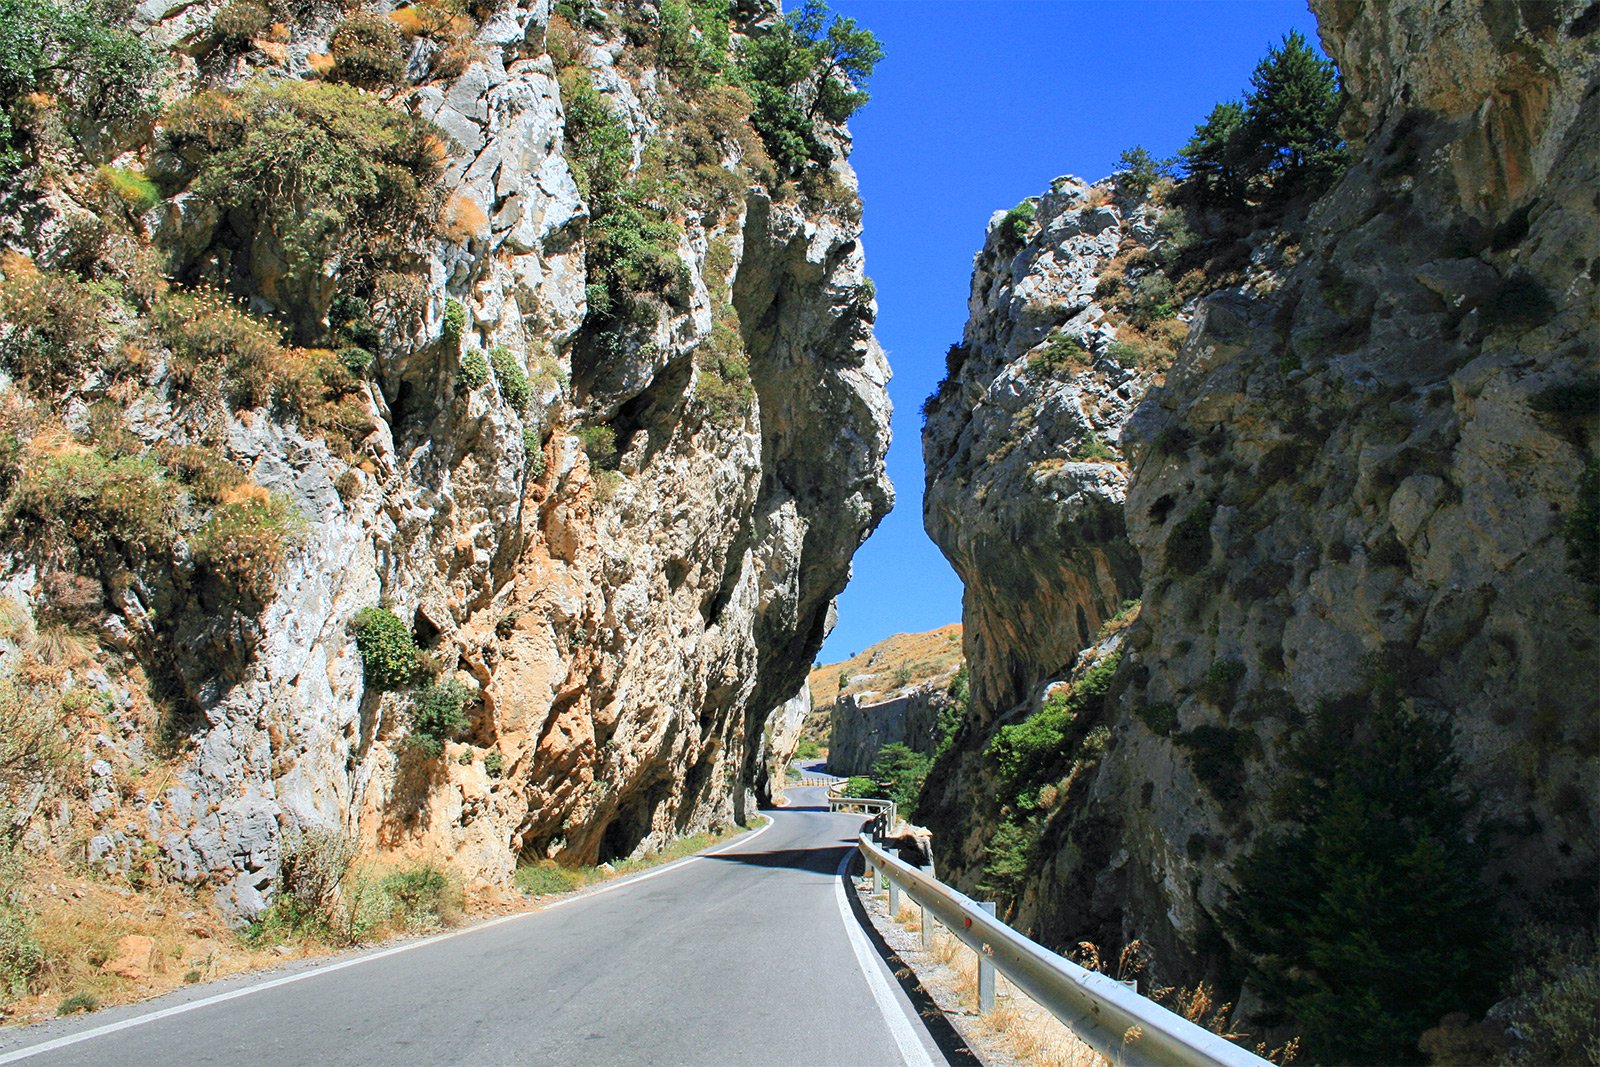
column 744, row 954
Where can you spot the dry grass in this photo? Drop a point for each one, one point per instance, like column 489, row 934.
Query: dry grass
column 935, row 654
column 1021, row 1029
column 464, row 219
column 78, row 922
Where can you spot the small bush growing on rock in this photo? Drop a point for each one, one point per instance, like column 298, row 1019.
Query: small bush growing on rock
column 245, row 540
column 96, row 500
column 388, row 649
column 194, row 127
column 418, row 894
column 1161, row 718
column 533, row 448
column 1151, row 300
column 1018, row 221
column 1091, row 449
column 1221, row 679
column 723, row 383
column 1030, row 753
column 81, row 1001
column 238, row 23
column 473, row 373
column 312, row 865
column 21, row 959
column 131, row 187
column 52, row 326
column 494, row 764
column 510, row 377
column 1061, row 352
column 1188, row 547
column 332, row 174
column 438, row 713
column 1011, row 860
column 368, row 50
column 454, row 326
column 1218, row 754
column 218, row 345
column 600, row 445
column 547, row 877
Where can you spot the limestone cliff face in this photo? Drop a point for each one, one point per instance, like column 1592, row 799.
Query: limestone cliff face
column 1022, row 503
column 627, row 632
column 1367, row 463
column 859, row 729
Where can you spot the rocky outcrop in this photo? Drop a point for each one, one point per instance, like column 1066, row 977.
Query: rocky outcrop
column 632, row 629
column 859, row 729
column 1372, row 465
column 1023, row 440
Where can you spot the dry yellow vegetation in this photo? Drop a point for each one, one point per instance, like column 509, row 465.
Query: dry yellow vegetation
column 894, row 662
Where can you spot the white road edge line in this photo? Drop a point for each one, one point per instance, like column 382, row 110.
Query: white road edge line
column 911, row 1049
column 261, row 987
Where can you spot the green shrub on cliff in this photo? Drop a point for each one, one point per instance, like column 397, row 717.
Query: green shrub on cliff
column 96, row 500
column 1032, row 753
column 245, row 540
column 1364, row 916
column 334, row 174
column 510, row 377
column 368, row 51
column 438, row 712
column 388, row 649
column 1014, row 227
column 52, row 328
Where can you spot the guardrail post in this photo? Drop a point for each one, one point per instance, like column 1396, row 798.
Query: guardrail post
column 927, row 928
column 986, row 972
column 878, row 880
column 894, row 901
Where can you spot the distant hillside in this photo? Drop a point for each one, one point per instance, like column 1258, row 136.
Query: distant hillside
column 891, row 664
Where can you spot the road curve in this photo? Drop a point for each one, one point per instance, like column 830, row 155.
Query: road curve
column 741, row 956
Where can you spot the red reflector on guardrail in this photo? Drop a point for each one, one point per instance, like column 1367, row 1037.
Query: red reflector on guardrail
column 968, row 921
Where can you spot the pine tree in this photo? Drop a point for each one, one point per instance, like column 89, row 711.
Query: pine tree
column 810, row 68
column 1212, row 158
column 1368, row 921
column 1140, row 170
column 1291, row 118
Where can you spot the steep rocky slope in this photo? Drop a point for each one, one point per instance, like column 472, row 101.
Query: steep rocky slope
column 897, row 691
column 1369, row 475
column 609, row 499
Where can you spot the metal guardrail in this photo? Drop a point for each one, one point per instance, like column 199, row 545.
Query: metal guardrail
column 886, row 811
column 1117, row 1022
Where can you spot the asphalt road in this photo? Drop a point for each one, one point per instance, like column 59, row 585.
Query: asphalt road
column 742, row 956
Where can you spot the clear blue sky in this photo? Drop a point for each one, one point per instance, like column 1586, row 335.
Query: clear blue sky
column 976, row 106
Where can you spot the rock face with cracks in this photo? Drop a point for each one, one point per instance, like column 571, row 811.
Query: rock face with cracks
column 633, row 629
column 1375, row 466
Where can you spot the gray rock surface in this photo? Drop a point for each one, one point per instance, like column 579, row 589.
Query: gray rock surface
column 859, row 729
column 1362, row 464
